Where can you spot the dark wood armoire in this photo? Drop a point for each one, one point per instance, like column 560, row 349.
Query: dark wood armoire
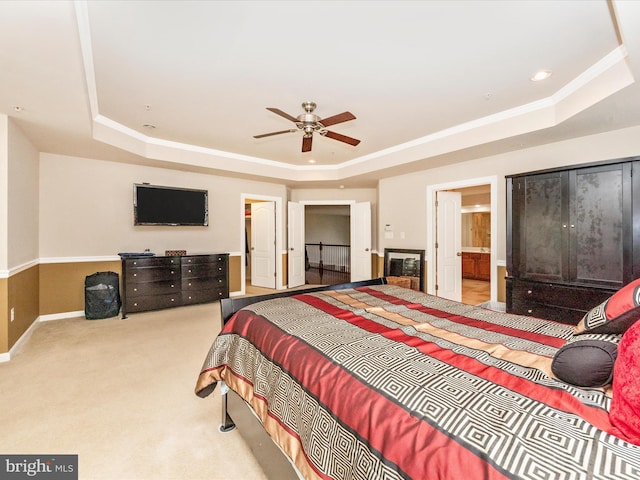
column 573, row 237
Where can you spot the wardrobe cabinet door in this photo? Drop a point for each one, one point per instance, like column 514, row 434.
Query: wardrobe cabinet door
column 599, row 210
column 540, row 226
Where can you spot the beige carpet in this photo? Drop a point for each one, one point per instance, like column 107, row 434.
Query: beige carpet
column 119, row 393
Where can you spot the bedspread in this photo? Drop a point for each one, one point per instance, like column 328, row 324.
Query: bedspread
column 384, row 382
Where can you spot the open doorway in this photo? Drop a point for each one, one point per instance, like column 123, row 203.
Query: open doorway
column 356, row 260
column 475, row 232
column 327, row 244
column 480, row 191
column 261, row 268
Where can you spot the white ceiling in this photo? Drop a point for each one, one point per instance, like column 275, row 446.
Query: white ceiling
column 430, row 82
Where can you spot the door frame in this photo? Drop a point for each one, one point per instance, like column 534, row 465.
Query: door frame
column 277, row 234
column 492, row 181
column 351, row 203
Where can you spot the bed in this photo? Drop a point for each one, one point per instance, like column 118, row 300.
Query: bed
column 375, row 381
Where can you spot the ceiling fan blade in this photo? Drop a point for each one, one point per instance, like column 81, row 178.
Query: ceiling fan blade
column 277, row 111
column 275, row 133
column 306, row 144
column 341, row 138
column 341, row 117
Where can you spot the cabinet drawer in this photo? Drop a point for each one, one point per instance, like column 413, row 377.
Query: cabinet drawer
column 201, row 296
column 153, row 302
column 204, row 283
column 203, row 270
column 196, row 259
column 575, row 298
column 548, row 312
column 151, row 274
column 135, row 289
column 152, row 262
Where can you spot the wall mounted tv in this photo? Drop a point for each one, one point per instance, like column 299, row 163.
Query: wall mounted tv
column 158, row 205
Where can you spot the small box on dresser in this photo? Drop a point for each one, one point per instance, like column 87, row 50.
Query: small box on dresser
column 153, row 283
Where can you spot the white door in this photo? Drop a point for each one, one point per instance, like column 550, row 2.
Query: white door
column 263, row 244
column 296, row 271
column 449, row 245
column 360, row 241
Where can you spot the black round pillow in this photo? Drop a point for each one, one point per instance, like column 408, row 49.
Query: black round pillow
column 586, row 363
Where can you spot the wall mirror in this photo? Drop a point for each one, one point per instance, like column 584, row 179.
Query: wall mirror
column 403, row 262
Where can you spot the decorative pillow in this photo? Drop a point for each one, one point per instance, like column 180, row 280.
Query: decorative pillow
column 587, row 361
column 614, row 315
column 625, row 404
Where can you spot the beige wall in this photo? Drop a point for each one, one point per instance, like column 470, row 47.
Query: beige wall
column 62, row 284
column 22, row 221
column 86, row 209
column 19, row 274
column 402, row 199
column 4, row 191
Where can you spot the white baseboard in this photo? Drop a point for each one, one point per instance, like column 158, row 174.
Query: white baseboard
column 5, row 357
column 60, row 316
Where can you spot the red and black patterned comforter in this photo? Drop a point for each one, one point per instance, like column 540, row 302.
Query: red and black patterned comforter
column 383, row 382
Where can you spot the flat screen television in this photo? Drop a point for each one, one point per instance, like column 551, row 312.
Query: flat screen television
column 159, row 205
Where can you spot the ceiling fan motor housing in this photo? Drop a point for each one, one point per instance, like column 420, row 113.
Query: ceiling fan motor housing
column 309, row 123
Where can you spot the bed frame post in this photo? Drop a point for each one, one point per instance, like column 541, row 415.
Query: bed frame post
column 227, row 423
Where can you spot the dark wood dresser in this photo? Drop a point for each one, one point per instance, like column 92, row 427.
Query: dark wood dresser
column 573, row 237
column 157, row 282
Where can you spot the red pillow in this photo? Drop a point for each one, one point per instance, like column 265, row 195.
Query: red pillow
column 625, row 404
column 614, row 315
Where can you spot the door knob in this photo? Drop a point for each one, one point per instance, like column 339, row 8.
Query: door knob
column 459, row 254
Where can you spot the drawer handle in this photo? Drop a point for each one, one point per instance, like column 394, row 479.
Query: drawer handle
column 135, row 304
column 529, row 311
column 189, row 298
column 189, row 283
column 172, row 286
column 135, row 274
column 189, row 270
column 529, row 292
column 135, row 263
column 173, row 299
column 135, row 289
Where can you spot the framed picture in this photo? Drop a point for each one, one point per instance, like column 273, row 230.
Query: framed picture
column 404, row 262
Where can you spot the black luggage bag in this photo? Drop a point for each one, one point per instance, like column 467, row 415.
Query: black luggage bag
column 101, row 295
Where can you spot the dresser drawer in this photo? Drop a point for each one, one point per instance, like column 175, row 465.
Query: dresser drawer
column 152, row 274
column 191, row 297
column 203, row 270
column 153, row 302
column 136, row 289
column 152, row 262
column 197, row 259
column 204, row 283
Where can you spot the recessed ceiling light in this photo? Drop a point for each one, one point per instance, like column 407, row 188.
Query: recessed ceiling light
column 541, row 75
column 17, row 108
column 312, row 161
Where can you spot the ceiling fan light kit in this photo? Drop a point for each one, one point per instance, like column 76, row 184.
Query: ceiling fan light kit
column 309, row 123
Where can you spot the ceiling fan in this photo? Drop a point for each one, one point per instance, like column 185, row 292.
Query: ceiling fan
column 309, row 123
